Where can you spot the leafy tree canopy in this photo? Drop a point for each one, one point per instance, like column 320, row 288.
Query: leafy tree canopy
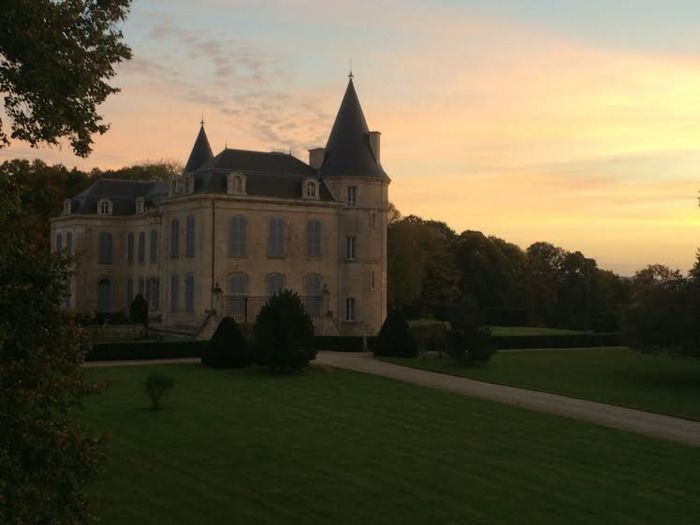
column 55, row 61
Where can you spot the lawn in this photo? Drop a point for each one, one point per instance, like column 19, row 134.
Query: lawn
column 658, row 383
column 338, row 447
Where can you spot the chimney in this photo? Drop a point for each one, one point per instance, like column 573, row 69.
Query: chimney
column 316, row 157
column 374, row 143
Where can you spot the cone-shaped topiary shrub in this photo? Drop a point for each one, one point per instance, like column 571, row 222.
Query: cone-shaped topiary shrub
column 138, row 311
column 284, row 334
column 395, row 339
column 227, row 348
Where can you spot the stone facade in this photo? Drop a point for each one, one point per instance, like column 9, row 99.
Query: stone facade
column 236, row 227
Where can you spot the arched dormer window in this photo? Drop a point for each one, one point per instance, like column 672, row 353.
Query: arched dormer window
column 235, row 184
column 66, row 207
column 310, row 189
column 189, row 184
column 104, row 207
column 173, row 187
column 140, row 206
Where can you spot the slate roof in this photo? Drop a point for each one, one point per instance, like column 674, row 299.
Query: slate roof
column 201, row 152
column 348, row 151
column 122, row 193
column 271, row 174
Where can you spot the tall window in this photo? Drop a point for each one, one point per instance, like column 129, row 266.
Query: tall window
column 104, row 207
column 59, row 243
column 174, row 292
column 104, row 254
column 104, row 295
column 275, row 238
column 313, row 239
column 129, row 292
column 189, row 237
column 350, row 309
column 352, row 196
column 142, row 289
column 154, row 246
column 275, row 283
column 142, row 247
column 311, row 189
column 153, row 293
column 69, row 244
column 130, row 247
column 189, row 293
column 175, row 238
column 238, row 289
column 350, row 248
column 237, row 237
column 312, row 292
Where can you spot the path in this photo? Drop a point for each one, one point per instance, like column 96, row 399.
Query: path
column 647, row 423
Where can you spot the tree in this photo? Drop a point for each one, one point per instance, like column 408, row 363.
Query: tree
column 283, row 334
column 46, row 458
column 663, row 314
column 156, row 387
column 55, row 59
column 227, row 347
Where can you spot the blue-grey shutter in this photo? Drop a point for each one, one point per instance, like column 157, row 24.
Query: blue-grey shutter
column 154, row 246
column 313, row 239
column 104, row 295
column 69, row 244
column 189, row 293
column 174, row 291
column 189, row 237
column 312, row 292
column 237, row 241
column 275, row 246
column 142, row 247
column 175, row 238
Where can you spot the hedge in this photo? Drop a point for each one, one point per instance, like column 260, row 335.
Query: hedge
column 135, row 350
column 557, row 341
column 338, row 343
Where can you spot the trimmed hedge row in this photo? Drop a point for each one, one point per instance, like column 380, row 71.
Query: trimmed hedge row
column 135, row 350
column 557, row 341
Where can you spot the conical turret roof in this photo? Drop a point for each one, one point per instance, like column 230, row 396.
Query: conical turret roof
column 201, row 152
column 348, row 151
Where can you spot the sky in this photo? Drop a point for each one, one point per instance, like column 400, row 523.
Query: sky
column 572, row 122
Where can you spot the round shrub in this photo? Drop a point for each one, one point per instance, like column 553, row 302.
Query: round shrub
column 227, row 347
column 284, row 334
column 395, row 339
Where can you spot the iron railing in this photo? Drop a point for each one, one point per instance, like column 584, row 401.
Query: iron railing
column 245, row 308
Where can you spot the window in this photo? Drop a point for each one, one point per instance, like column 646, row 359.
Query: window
column 104, row 255
column 140, row 206
column 310, row 190
column 104, row 295
column 189, row 293
column 189, row 184
column 275, row 283
column 189, row 237
column 142, row 290
column 154, row 247
column 69, row 244
column 142, row 247
column 350, row 309
column 238, row 290
column 237, row 237
column 67, row 205
column 312, row 292
column 350, row 248
column 313, row 239
column 174, row 291
column 352, row 196
column 173, row 187
column 104, row 207
column 175, row 238
column 129, row 292
column 238, row 284
column 153, row 293
column 235, row 184
column 130, row 247
column 59, row 243
column 275, row 239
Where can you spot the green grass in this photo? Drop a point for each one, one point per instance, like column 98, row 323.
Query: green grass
column 658, row 383
column 533, row 330
column 344, row 448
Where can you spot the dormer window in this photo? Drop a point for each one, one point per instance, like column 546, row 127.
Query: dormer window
column 104, row 207
column 235, row 184
column 189, row 184
column 173, row 187
column 66, row 207
column 140, row 206
column 310, row 189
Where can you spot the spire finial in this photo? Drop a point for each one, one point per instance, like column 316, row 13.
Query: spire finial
column 350, row 75
column 201, row 123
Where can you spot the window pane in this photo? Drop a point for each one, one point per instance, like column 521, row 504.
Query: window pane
column 175, row 238
column 59, row 243
column 69, row 244
column 104, row 295
column 189, row 293
column 275, row 244
column 189, row 237
column 276, row 282
column 154, row 246
column 174, row 291
column 142, row 247
column 237, row 237
column 313, row 239
column 105, row 249
column 130, row 247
